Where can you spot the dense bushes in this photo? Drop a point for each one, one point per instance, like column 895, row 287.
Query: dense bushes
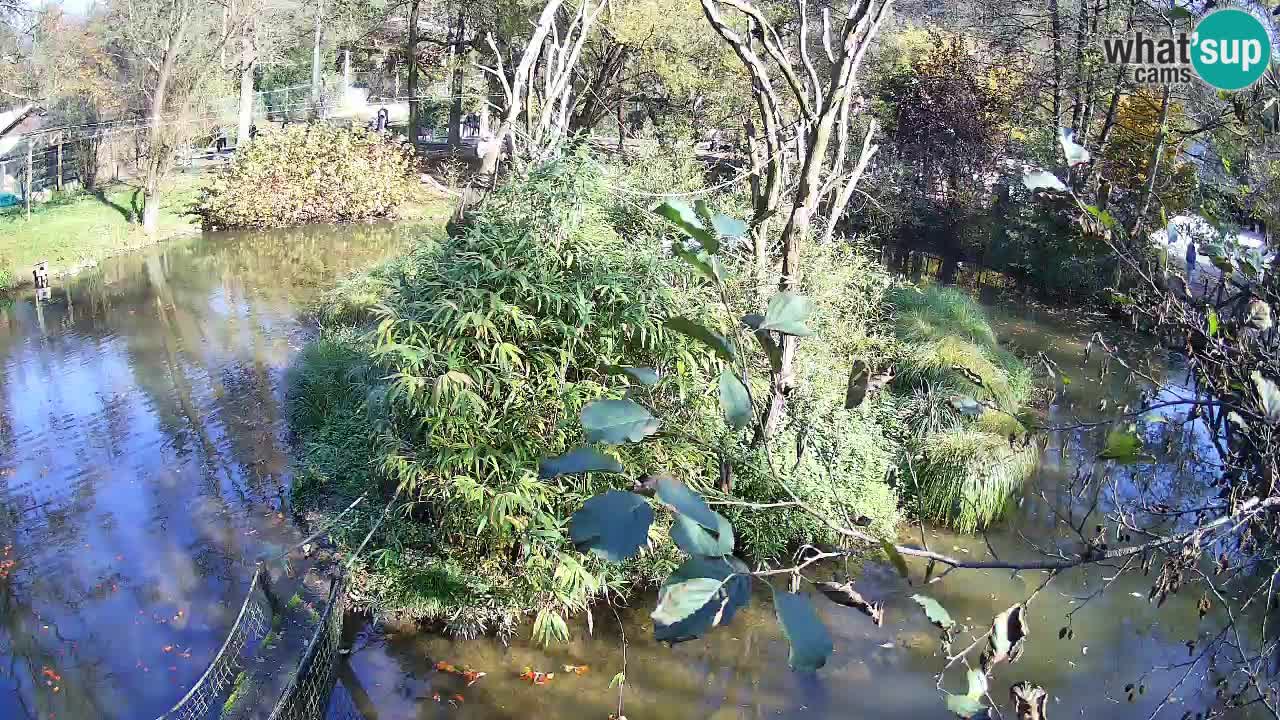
column 308, row 174
column 959, row 395
column 477, row 353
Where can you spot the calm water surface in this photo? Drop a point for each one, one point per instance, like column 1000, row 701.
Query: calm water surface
column 143, row 467
column 143, row 461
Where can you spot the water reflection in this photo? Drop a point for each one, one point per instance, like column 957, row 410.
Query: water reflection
column 889, row 672
column 142, row 462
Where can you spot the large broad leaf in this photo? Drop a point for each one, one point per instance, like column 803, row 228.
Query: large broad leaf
column 733, row 595
column 578, row 460
column 708, row 265
column 1268, row 396
column 734, row 400
column 613, row 525
column 1123, row 446
column 970, row 704
column 687, row 502
column 856, row 391
column 965, row 706
column 642, row 375
column 1042, row 180
column 895, row 557
column 682, row 215
column 716, row 342
column 810, row 642
column 1008, row 636
column 1075, row 152
column 771, row 349
column 937, row 614
column 696, row 540
column 787, row 313
column 724, row 226
column 617, row 421
column 677, row 601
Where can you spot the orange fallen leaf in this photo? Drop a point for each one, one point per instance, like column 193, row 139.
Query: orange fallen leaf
column 443, row 666
column 435, row 696
column 167, row 648
column 472, row 677
column 456, row 698
column 577, row 669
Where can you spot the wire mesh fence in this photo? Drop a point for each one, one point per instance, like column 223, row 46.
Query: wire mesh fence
column 251, row 625
column 308, row 694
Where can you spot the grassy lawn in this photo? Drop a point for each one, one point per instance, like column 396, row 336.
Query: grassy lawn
column 77, row 229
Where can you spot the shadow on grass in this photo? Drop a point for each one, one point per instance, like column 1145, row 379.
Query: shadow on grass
column 131, row 213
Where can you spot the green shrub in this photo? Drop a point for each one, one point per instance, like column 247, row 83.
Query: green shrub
column 478, row 353
column 309, row 174
column 7, row 278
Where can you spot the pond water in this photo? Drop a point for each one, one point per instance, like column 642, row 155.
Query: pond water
column 144, row 466
column 143, row 461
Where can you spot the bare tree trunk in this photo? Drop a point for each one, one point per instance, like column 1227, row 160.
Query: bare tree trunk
column 411, row 52
column 458, row 82
column 1055, row 15
column 248, row 64
column 1077, row 102
column 315, row 60
column 158, row 159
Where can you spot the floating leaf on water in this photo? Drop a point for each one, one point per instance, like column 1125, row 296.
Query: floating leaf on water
column 734, row 400
column 617, row 421
column 787, row 313
column 1123, row 446
column 811, row 644
column 578, row 460
column 937, row 614
column 613, row 525
column 1008, row 636
column 716, row 342
column 577, row 669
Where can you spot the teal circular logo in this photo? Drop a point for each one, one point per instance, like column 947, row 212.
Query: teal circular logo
column 1230, row 49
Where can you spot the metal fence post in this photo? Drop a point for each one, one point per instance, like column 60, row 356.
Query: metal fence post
column 27, row 192
column 59, row 167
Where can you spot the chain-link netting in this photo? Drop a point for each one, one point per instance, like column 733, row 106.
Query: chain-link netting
column 251, row 625
column 307, row 695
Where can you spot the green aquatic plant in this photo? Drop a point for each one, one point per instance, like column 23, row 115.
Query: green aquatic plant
column 967, row 478
column 965, row 452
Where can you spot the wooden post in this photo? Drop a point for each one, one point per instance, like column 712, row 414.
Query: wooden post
column 59, row 167
column 27, row 192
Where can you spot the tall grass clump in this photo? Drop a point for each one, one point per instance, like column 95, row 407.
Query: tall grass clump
column 962, row 467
